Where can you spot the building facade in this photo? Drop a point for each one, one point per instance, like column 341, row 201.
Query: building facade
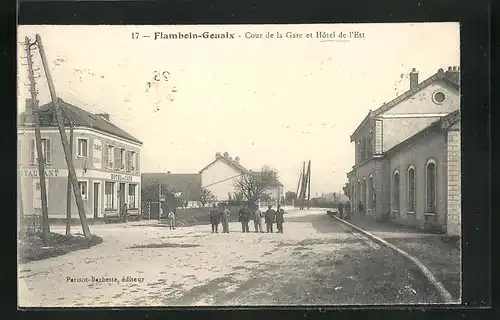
column 220, row 176
column 106, row 160
column 407, row 156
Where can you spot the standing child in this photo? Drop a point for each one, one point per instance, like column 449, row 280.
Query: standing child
column 171, row 219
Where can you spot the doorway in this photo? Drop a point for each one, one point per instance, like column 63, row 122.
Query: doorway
column 97, row 200
column 121, row 197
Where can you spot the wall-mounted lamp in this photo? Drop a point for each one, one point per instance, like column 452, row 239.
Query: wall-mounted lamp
column 85, row 168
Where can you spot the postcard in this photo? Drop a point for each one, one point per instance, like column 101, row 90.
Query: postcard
column 239, row 165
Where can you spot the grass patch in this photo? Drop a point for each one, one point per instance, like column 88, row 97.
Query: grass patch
column 32, row 248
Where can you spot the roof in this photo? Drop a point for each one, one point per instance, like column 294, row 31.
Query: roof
column 437, row 126
column 229, row 162
column 187, row 183
column 238, row 167
column 451, row 78
column 79, row 118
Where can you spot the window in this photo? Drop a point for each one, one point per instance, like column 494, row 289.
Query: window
column 132, row 196
column 84, row 191
column 438, row 97
column 363, row 190
column 110, row 156
column 133, row 161
column 109, row 198
column 411, row 190
column 46, row 151
column 430, row 186
column 371, row 194
column 83, row 147
column 395, row 191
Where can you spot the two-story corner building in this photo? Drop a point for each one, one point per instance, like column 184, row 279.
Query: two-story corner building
column 407, row 156
column 106, row 159
column 220, row 175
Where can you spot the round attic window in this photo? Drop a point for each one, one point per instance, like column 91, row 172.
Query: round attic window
column 439, row 97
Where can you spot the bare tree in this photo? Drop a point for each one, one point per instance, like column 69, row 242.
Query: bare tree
column 254, row 185
column 206, row 197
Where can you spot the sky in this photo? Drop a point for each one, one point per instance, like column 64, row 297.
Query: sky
column 269, row 101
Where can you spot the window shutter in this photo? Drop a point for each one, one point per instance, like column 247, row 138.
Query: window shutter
column 117, row 158
column 48, row 151
column 128, row 164
column 32, row 151
column 105, row 155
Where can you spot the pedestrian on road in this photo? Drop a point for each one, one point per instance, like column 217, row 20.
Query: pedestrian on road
column 225, row 218
column 270, row 217
column 215, row 217
column 243, row 217
column 171, row 219
column 257, row 219
column 341, row 210
column 124, row 212
column 280, row 219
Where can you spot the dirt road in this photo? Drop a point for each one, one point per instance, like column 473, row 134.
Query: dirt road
column 315, row 261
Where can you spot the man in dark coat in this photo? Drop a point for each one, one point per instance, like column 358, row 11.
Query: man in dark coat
column 341, row 210
column 215, row 217
column 244, row 218
column 280, row 219
column 270, row 217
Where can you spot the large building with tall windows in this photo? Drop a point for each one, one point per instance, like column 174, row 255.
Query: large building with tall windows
column 407, row 156
column 106, row 159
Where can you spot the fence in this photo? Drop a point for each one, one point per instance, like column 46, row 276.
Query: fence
column 30, row 224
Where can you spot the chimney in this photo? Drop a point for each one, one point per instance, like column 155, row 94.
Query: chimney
column 226, row 155
column 413, row 78
column 28, row 113
column 237, row 160
column 454, row 72
column 217, row 155
column 103, row 115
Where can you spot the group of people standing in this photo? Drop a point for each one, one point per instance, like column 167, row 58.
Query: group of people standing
column 248, row 212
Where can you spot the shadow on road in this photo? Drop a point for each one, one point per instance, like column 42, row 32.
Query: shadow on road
column 321, row 222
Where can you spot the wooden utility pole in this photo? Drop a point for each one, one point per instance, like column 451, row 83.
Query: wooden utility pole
column 68, row 190
column 64, row 140
column 38, row 141
column 304, row 179
column 309, row 185
column 159, row 201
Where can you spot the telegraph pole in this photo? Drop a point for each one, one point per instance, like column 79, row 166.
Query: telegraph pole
column 159, row 201
column 309, row 185
column 38, row 141
column 64, row 140
column 68, row 190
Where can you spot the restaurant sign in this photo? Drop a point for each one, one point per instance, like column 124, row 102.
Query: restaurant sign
column 121, row 177
column 34, row 173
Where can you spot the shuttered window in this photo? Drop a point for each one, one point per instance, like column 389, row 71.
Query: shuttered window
column 46, row 151
column 105, row 156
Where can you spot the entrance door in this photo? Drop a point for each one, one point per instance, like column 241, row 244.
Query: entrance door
column 96, row 197
column 121, row 197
